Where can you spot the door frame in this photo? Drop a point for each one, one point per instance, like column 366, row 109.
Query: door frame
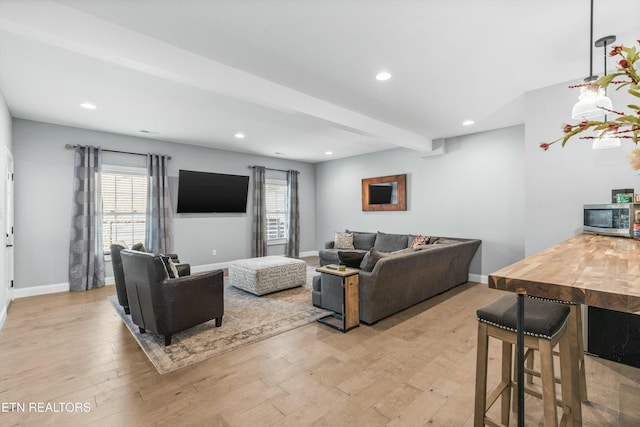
column 7, row 218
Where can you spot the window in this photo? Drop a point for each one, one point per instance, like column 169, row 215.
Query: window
column 276, row 201
column 124, row 205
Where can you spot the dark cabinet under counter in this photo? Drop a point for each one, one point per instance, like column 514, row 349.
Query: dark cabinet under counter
column 614, row 335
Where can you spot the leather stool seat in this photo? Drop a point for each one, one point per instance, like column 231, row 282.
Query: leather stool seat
column 541, row 318
column 545, row 325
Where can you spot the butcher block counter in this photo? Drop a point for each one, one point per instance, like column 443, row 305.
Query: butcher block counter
column 599, row 271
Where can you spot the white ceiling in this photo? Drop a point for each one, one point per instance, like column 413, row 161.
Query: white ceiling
column 296, row 76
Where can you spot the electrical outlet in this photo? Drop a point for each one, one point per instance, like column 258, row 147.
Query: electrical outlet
column 213, row 252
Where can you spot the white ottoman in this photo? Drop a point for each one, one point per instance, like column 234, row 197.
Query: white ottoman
column 267, row 274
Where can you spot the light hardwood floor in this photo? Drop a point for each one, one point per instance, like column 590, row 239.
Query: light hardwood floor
column 413, row 369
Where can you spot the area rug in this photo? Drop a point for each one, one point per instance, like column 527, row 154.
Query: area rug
column 247, row 319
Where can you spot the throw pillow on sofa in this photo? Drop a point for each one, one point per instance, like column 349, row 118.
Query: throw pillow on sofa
column 390, row 242
column 362, row 240
column 419, row 241
column 138, row 247
column 371, row 258
column 343, row 241
column 172, row 270
column 351, row 259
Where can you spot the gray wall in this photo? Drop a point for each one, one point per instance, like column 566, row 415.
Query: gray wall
column 561, row 180
column 43, row 198
column 498, row 186
column 5, row 147
column 475, row 190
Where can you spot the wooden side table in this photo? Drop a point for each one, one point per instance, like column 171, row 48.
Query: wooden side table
column 350, row 316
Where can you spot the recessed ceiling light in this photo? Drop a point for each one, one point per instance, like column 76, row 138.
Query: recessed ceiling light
column 328, row 153
column 239, row 135
column 468, row 123
column 88, row 106
column 383, row 75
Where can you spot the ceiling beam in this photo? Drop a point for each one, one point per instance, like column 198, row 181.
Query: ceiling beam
column 57, row 25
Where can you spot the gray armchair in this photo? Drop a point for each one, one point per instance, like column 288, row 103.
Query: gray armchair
column 118, row 273
column 164, row 305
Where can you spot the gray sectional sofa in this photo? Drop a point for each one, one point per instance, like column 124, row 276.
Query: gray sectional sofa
column 393, row 278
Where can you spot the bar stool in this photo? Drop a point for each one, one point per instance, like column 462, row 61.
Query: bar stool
column 545, row 325
column 577, row 349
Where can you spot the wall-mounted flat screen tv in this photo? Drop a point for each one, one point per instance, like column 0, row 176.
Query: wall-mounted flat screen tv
column 206, row 192
column 380, row 194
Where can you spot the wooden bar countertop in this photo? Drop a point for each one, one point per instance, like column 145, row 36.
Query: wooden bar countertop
column 588, row 269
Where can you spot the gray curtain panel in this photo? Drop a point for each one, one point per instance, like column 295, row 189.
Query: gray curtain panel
column 86, row 255
column 258, row 232
column 159, row 234
column 292, row 248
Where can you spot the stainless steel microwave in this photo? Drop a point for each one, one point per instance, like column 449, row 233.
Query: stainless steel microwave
column 615, row 219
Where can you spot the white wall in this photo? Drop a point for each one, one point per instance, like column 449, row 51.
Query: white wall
column 561, row 180
column 43, row 179
column 5, row 146
column 475, row 190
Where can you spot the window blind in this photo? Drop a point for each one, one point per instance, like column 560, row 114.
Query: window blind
column 276, row 194
column 124, row 208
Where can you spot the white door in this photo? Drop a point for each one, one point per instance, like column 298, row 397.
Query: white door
column 6, row 287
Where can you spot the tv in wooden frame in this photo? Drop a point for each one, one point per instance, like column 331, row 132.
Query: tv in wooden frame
column 384, row 193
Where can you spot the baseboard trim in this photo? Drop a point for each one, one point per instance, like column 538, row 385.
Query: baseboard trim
column 481, row 278
column 3, row 315
column 227, row 264
column 210, row 267
column 32, row 291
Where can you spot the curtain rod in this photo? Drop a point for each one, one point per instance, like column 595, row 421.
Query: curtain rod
column 271, row 169
column 70, row 146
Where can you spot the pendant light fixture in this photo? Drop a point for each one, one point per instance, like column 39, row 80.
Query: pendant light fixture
column 606, row 139
column 592, row 98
